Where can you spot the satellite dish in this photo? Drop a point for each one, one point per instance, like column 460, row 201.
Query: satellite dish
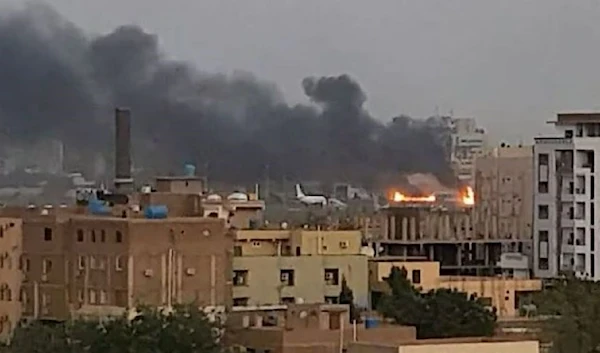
column 303, row 314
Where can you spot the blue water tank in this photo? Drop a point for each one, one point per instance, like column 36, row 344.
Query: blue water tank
column 97, row 207
column 189, row 170
column 156, row 212
column 371, row 322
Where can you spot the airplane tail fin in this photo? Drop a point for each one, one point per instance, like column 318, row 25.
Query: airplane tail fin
column 299, row 192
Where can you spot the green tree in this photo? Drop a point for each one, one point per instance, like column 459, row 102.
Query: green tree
column 347, row 297
column 572, row 307
column 185, row 329
column 436, row 314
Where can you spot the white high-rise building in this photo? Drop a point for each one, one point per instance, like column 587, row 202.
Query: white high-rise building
column 468, row 142
column 565, row 191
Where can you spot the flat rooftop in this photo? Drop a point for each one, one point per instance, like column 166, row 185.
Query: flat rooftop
column 179, row 178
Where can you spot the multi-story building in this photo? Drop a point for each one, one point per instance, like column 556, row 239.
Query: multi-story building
column 468, row 142
column 283, row 266
column 564, row 225
column 505, row 294
column 504, row 196
column 10, row 276
column 442, row 233
column 81, row 264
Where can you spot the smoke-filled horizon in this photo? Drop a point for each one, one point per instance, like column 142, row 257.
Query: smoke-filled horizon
column 58, row 82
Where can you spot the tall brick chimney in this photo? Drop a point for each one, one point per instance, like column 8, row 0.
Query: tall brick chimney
column 123, row 180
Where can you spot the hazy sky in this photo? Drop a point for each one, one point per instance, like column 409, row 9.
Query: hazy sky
column 511, row 64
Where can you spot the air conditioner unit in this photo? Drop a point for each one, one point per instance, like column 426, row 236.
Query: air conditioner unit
column 148, row 273
column 344, row 244
column 190, row 271
column 285, row 277
column 328, row 276
column 44, row 277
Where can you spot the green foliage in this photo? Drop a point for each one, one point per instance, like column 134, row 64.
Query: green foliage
column 573, row 310
column 436, row 314
column 347, row 297
column 185, row 329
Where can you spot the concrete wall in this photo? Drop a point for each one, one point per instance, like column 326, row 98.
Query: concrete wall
column 264, row 284
column 500, row 291
column 436, row 346
column 10, row 276
column 504, row 194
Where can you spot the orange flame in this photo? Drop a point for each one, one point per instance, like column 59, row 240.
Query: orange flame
column 400, row 197
column 468, row 197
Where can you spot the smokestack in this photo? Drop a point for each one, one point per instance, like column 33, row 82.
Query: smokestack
column 123, row 179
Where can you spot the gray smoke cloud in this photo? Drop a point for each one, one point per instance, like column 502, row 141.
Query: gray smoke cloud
column 56, row 81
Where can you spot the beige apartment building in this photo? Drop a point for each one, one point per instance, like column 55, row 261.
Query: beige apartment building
column 505, row 294
column 80, row 264
column 504, row 193
column 10, row 276
column 287, row 266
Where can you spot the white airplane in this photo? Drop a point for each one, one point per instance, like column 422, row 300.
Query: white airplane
column 319, row 200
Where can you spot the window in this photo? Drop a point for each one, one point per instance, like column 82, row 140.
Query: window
column 287, row 300
column 46, row 266
column 119, row 236
column 593, row 266
column 240, row 301
column 543, row 187
column 118, row 263
column 543, row 212
column 93, row 265
column 93, row 236
column 80, row 296
column 332, row 276
column 485, row 301
column 332, row 300
column 416, row 276
column 79, row 235
column 240, row 277
column 47, row 234
column 592, row 213
column 103, row 297
column 592, row 239
column 237, row 250
column 568, row 134
column 92, row 294
column 81, row 262
column 544, row 265
column 543, row 159
column 543, row 235
column 103, row 236
column 286, row 277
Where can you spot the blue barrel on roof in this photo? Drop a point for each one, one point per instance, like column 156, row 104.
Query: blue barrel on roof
column 189, row 170
column 371, row 322
column 97, row 207
column 156, row 212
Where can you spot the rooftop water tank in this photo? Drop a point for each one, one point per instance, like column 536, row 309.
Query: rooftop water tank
column 189, row 170
column 371, row 322
column 97, row 207
column 214, row 198
column 237, row 196
column 156, row 212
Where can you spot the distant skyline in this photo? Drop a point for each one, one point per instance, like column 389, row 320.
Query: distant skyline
column 510, row 64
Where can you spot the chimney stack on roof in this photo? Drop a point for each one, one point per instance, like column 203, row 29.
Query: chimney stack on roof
column 123, row 179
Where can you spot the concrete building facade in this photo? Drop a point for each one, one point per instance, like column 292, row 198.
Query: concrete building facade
column 81, row 263
column 283, row 266
column 468, row 142
column 502, row 293
column 504, row 197
column 445, row 234
column 565, row 185
column 10, row 276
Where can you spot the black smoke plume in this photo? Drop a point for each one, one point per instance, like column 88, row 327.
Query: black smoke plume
column 57, row 82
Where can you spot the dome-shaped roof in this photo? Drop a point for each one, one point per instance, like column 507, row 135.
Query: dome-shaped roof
column 238, row 196
column 214, row 197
